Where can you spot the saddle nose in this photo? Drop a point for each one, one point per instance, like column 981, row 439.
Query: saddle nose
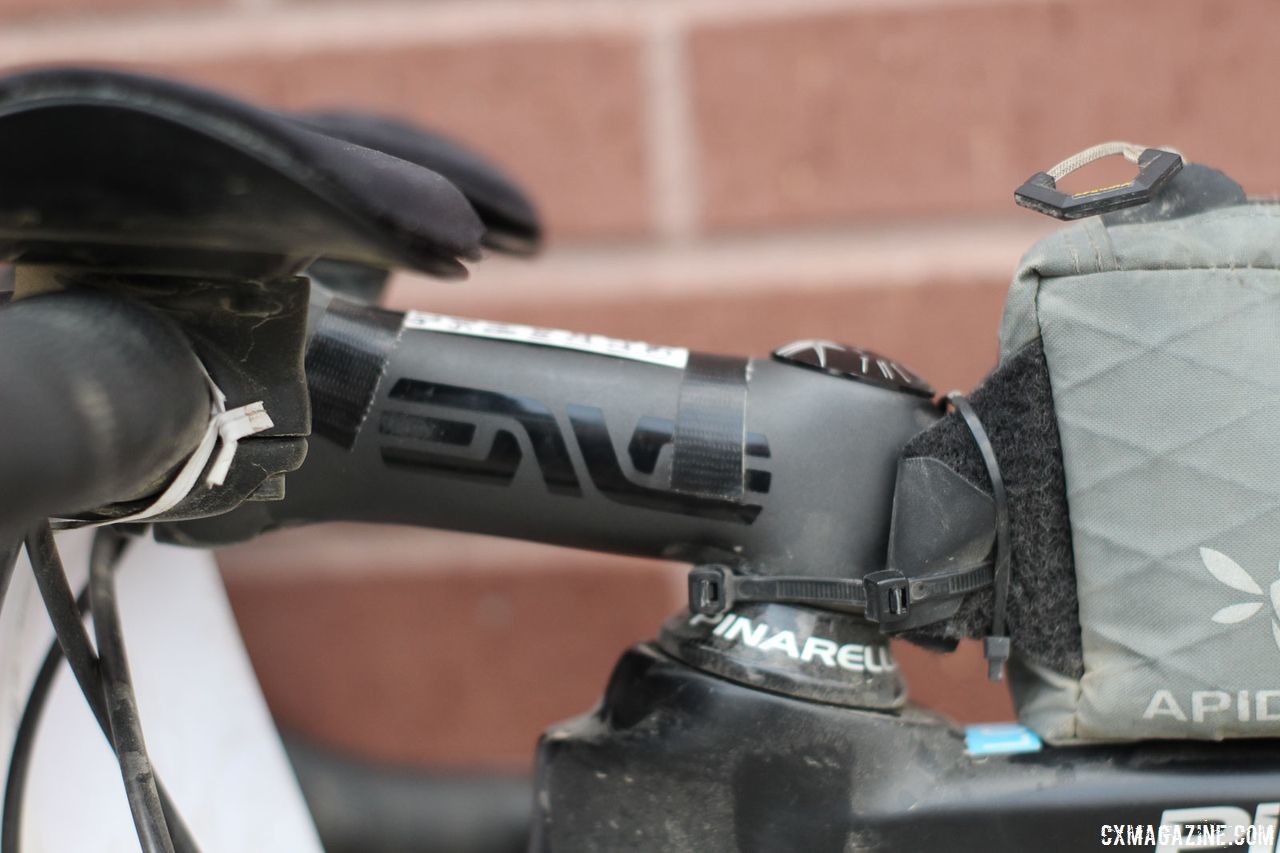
column 123, row 171
column 510, row 218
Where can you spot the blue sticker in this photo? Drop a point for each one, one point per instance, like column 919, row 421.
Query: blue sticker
column 1000, row 739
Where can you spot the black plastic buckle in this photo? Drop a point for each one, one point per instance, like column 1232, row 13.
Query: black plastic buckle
column 1155, row 168
column 710, row 590
column 888, row 596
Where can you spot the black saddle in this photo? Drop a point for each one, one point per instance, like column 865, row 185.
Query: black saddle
column 510, row 220
column 121, row 171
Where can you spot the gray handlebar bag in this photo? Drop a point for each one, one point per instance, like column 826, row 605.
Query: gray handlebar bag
column 1159, row 331
column 1162, row 341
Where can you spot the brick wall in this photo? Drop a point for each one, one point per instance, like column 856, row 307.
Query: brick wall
column 722, row 174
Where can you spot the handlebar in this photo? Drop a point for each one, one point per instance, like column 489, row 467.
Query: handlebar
column 641, row 450
column 102, row 399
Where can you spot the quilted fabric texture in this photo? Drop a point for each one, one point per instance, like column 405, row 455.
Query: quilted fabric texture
column 1163, row 346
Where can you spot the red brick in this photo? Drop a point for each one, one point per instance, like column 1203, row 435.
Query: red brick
column 884, row 110
column 954, row 684
column 462, row 664
column 946, row 334
column 944, row 331
column 65, row 9
column 562, row 113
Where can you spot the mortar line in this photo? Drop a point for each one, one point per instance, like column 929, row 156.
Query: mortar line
column 249, row 26
column 674, row 179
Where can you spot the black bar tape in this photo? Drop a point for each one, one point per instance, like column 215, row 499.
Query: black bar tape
column 710, row 429
column 345, row 362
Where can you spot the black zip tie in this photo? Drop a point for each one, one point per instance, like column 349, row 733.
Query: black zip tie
column 884, row 597
column 996, row 645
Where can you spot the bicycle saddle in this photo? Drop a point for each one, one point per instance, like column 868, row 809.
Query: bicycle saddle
column 510, row 219
column 122, row 171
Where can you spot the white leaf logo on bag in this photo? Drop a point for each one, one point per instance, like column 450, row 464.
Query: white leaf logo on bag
column 1229, row 572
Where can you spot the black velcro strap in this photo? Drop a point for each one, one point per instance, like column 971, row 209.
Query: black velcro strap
column 710, row 429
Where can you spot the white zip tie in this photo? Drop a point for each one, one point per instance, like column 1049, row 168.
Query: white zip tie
column 226, row 428
column 233, row 426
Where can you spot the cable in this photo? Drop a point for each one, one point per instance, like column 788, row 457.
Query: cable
column 68, row 628
column 122, row 705
column 73, row 642
column 996, row 646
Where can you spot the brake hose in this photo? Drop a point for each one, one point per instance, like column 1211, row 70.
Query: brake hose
column 121, row 702
column 73, row 639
